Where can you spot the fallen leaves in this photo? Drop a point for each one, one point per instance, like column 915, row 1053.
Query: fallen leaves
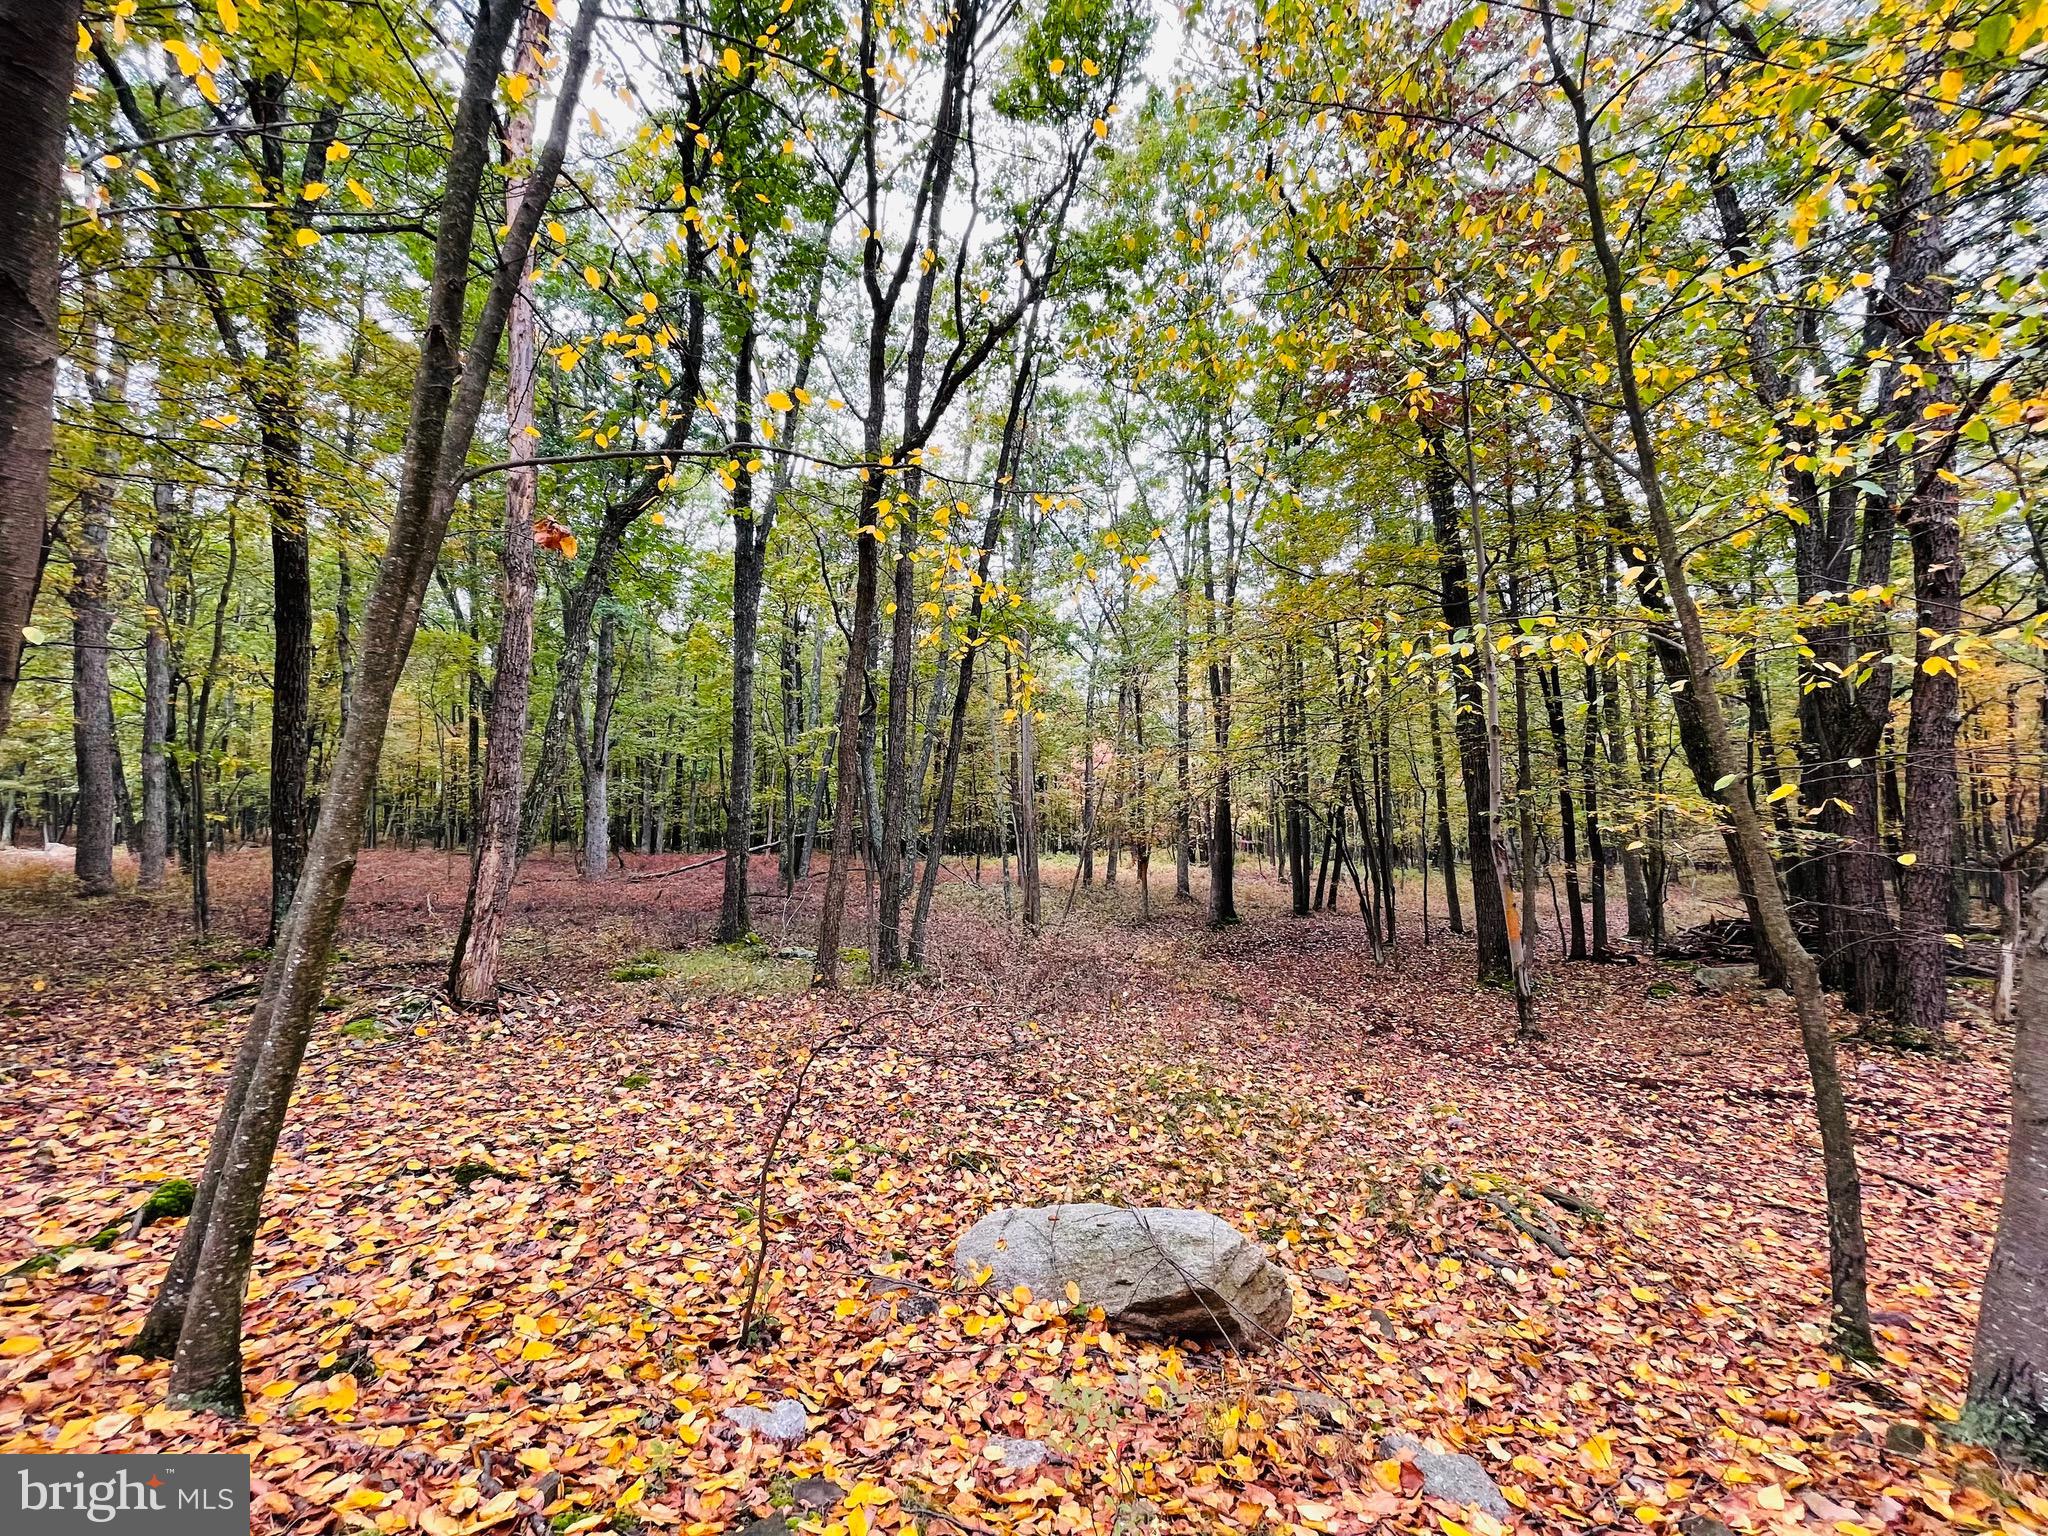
column 548, row 1338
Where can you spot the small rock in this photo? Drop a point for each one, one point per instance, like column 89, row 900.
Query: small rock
column 1885, row 1319
column 815, row 1493
column 1384, row 1321
column 1702, row 1525
column 1020, row 1455
column 1907, row 1440
column 1323, row 1407
column 773, row 1525
column 1330, row 1274
column 1725, row 978
column 1449, row 1476
column 783, row 1421
column 899, row 1304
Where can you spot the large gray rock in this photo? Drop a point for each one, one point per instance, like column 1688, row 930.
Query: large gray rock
column 1159, row 1271
column 1448, row 1476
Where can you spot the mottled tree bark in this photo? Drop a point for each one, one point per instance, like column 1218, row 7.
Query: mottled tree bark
column 750, row 532
column 447, row 397
column 92, row 715
column 156, row 694
column 594, row 753
column 39, row 41
column 2007, row 1406
column 494, row 861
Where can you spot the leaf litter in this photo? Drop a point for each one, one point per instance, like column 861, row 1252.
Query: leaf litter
column 506, row 1254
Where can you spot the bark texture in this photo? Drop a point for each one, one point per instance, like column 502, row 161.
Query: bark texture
column 2007, row 1407
column 39, row 41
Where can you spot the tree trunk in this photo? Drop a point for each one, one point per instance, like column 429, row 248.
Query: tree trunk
column 2007, row 1406
column 92, row 709
column 39, row 40
column 156, row 694
column 594, row 752
column 447, row 396
column 1446, row 848
column 1847, row 1252
column 1476, row 768
column 494, row 857
column 750, row 532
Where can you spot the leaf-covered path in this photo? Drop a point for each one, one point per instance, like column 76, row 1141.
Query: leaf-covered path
column 506, row 1254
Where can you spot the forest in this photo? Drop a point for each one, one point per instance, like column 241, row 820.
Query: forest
column 1029, row 766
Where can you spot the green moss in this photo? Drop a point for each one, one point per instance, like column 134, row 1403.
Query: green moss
column 360, row 1029
column 472, row 1170
column 2017, row 1431
column 746, row 969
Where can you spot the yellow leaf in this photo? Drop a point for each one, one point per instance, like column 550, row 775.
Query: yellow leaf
column 360, row 1498
column 556, row 233
column 342, row 1396
column 1056, row 67
column 593, row 277
column 187, row 60
column 1600, row 1452
column 206, row 87
column 313, row 191
column 230, row 18
column 362, row 193
column 568, row 546
column 541, row 1349
column 731, row 60
column 307, row 237
column 1909, row 859
column 1780, row 793
column 778, row 401
column 516, row 87
column 146, row 179
column 337, row 152
column 20, row 1344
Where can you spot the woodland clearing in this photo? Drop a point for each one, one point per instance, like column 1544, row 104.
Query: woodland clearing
column 505, row 1252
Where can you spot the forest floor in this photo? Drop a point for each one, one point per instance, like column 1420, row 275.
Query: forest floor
column 506, row 1252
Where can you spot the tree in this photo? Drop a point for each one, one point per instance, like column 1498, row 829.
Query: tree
column 200, row 1303
column 37, row 37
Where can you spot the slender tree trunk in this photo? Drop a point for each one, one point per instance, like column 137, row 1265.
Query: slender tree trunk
column 1847, row 1251
column 594, row 751
column 447, row 396
column 1183, row 738
column 1447, row 849
column 1476, row 766
column 1024, row 799
column 156, row 694
column 1560, row 737
column 494, row 860
column 92, row 709
column 750, row 532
